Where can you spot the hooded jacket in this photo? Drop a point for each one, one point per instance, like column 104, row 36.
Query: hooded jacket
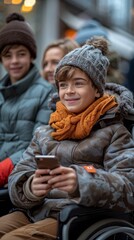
column 109, row 149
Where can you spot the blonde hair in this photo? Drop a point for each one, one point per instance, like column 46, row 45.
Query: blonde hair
column 66, row 44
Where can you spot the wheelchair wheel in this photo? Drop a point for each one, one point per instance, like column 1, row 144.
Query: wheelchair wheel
column 95, row 230
column 128, row 231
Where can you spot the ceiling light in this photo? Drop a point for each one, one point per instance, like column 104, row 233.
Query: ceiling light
column 26, row 9
column 16, row 1
column 29, row 3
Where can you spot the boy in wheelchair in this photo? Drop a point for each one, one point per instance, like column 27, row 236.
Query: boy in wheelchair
column 94, row 148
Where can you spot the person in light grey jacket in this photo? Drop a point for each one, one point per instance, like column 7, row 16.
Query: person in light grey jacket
column 23, row 93
column 94, row 148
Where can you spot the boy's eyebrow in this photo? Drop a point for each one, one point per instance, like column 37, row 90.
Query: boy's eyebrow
column 79, row 78
column 62, row 80
column 20, row 50
column 76, row 78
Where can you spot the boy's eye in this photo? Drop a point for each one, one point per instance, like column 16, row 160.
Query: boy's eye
column 79, row 83
column 22, row 54
column 7, row 56
column 62, row 84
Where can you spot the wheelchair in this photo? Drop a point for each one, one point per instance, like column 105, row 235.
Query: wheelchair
column 83, row 223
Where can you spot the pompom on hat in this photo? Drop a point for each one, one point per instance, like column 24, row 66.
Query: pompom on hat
column 91, row 59
column 17, row 31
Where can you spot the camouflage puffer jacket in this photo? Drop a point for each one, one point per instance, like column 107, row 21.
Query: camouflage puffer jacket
column 109, row 148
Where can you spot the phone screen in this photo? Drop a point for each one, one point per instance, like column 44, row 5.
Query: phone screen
column 46, row 161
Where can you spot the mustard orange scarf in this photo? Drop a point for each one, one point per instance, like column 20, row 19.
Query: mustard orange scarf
column 68, row 125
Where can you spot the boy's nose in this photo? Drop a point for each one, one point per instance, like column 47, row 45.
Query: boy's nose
column 14, row 59
column 70, row 88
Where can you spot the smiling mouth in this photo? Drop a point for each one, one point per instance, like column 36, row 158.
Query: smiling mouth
column 15, row 69
column 72, row 99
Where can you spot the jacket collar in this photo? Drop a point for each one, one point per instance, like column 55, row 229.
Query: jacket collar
column 20, row 86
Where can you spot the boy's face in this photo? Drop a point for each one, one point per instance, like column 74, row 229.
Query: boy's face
column 17, row 61
column 77, row 93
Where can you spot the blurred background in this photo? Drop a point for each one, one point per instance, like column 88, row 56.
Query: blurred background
column 53, row 19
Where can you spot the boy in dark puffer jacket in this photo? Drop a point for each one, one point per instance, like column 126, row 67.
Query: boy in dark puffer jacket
column 23, row 93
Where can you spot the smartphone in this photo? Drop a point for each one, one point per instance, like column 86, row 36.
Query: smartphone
column 47, row 161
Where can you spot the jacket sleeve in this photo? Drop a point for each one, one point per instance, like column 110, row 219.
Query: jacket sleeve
column 21, row 173
column 113, row 185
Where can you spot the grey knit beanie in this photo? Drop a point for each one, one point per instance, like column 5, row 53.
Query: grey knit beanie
column 91, row 59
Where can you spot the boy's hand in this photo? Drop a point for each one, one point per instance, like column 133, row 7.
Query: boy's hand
column 63, row 178
column 39, row 185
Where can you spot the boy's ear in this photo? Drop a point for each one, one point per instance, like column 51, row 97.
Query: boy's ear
column 97, row 94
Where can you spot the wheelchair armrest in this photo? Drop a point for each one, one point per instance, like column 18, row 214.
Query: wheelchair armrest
column 78, row 210
column 75, row 210
column 5, row 202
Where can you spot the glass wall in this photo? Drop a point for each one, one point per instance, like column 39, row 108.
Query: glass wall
column 111, row 13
